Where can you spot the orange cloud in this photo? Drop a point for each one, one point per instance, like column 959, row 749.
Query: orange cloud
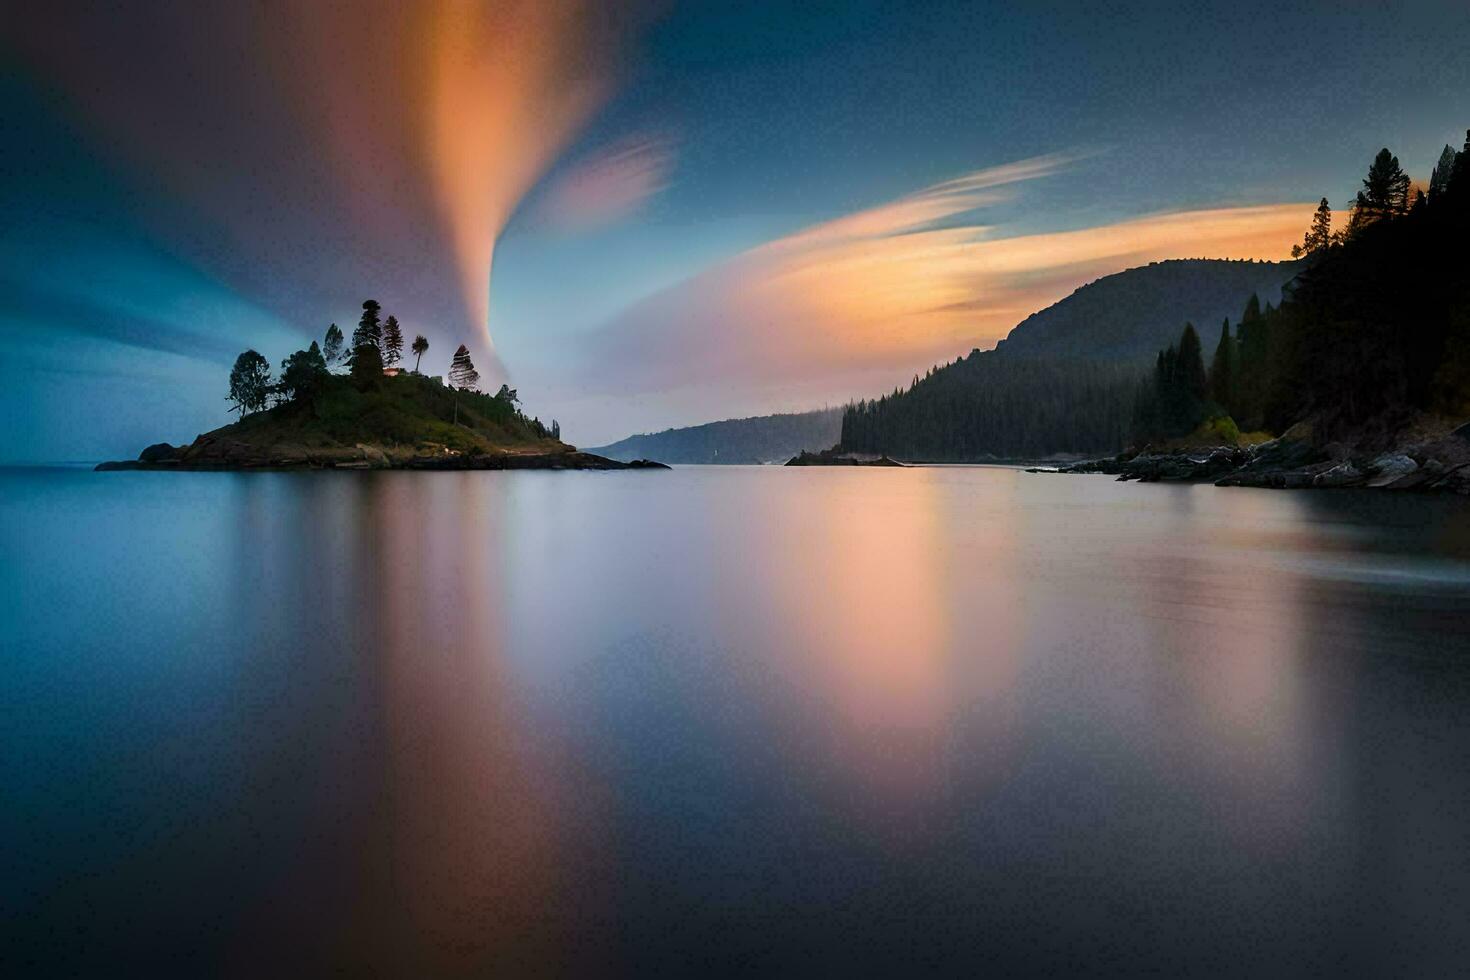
column 310, row 154
column 609, row 185
column 867, row 298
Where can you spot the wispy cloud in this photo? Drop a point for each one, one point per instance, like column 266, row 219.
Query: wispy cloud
column 860, row 301
column 313, row 152
column 609, row 185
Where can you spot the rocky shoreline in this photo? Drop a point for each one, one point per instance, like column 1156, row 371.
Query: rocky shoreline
column 212, row 453
column 1441, row 464
column 831, row 457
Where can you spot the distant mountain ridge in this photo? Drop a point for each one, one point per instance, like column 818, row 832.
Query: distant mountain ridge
column 762, row 439
column 1131, row 315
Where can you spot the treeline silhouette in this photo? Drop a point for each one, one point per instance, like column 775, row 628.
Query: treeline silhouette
column 988, row 405
column 1373, row 332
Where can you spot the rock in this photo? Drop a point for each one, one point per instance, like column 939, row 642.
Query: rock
column 1389, row 468
column 159, row 452
column 373, row 456
column 1344, row 474
column 831, row 457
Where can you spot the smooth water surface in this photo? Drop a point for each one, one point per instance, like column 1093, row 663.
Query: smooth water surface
column 780, row 721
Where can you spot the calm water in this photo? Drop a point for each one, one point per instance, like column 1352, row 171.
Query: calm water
column 715, row 720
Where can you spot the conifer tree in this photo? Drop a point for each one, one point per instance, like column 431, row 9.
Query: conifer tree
column 462, row 374
column 369, row 328
column 1319, row 235
column 332, row 348
column 1192, row 379
column 1439, row 181
column 1222, row 370
column 1385, row 192
column 392, row 342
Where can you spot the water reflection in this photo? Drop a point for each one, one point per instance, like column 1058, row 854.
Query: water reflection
column 469, row 723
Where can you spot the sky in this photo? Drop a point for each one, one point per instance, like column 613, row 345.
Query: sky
column 645, row 215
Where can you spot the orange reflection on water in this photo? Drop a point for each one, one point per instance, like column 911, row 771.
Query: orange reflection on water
column 862, row 606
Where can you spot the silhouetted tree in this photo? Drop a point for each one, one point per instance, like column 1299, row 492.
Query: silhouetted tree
column 392, row 342
column 508, row 395
column 250, row 383
column 419, row 348
column 302, row 373
column 1439, row 181
column 332, row 349
column 462, row 374
column 1385, row 192
column 555, row 429
column 366, row 364
column 1192, row 377
column 1222, row 370
column 369, row 328
column 1319, row 235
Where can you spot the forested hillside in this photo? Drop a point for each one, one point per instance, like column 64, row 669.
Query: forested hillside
column 1066, row 379
column 1371, row 338
column 988, row 405
column 768, row 438
column 1130, row 315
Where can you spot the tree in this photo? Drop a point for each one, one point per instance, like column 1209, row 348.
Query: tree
column 1222, row 369
column 392, row 342
column 1385, row 192
column 302, row 373
column 250, row 383
column 508, row 395
column 369, row 329
column 1192, row 378
column 1319, row 235
column 555, row 429
column 366, row 364
column 462, row 374
column 332, row 350
column 419, row 348
column 1439, row 181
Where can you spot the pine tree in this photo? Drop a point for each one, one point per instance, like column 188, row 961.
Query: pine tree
column 366, row 364
column 369, row 329
column 419, row 348
column 1222, row 370
column 1439, row 181
column 332, row 348
column 1385, row 192
column 462, row 374
column 392, row 342
column 1192, row 378
column 1319, row 235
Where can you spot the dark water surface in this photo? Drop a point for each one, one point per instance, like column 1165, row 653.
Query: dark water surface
column 783, row 721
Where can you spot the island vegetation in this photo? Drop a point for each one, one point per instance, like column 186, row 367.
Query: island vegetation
column 352, row 405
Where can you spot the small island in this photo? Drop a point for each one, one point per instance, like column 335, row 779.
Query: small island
column 377, row 415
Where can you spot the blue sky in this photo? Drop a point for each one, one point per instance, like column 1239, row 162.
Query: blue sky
column 670, row 193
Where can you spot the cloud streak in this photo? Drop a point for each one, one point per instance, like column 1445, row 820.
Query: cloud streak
column 859, row 302
column 609, row 185
column 307, row 154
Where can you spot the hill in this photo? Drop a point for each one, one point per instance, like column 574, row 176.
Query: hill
column 1130, row 315
column 405, row 421
column 1066, row 379
column 766, row 439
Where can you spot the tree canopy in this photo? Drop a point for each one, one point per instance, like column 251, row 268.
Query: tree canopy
column 250, row 383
